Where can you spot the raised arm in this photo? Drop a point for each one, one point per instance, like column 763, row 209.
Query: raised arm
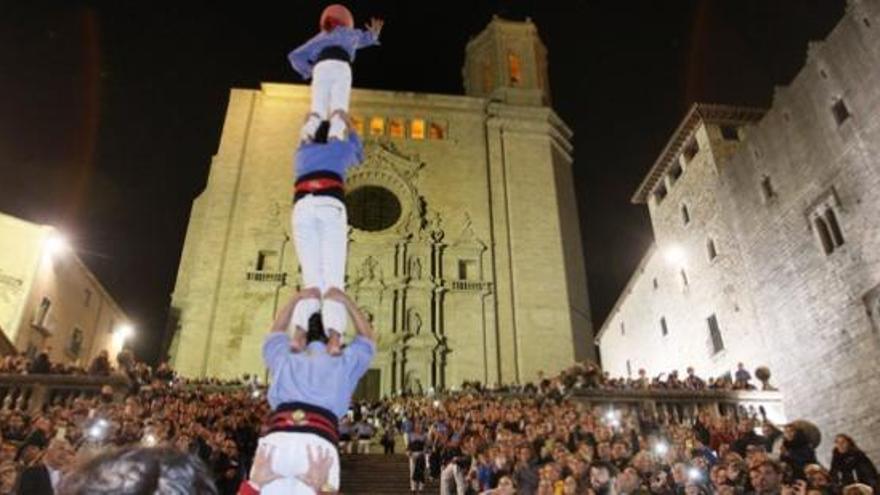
column 282, row 321
column 361, row 324
column 301, row 58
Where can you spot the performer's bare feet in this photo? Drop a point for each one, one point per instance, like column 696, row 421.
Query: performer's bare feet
column 334, row 343
column 298, row 341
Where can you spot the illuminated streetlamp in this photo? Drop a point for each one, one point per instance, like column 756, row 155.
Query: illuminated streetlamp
column 675, row 255
column 122, row 333
column 55, row 245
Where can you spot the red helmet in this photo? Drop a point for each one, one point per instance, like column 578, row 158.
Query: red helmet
column 336, row 15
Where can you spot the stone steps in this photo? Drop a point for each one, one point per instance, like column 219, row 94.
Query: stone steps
column 376, row 474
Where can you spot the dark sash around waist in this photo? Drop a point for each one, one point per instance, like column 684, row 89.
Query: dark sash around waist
column 304, row 418
column 333, row 53
column 321, row 183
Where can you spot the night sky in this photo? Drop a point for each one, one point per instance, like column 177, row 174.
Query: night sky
column 110, row 111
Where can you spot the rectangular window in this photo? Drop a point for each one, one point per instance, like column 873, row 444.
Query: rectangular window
column 622, row 329
column 396, row 128
column 675, row 172
column 824, row 221
column 691, row 150
column 514, row 67
column 377, row 126
column 266, row 260
column 74, row 347
column 664, row 330
column 660, row 193
column 840, row 111
column 711, row 251
column 685, row 214
column 730, row 133
column 767, row 191
column 715, row 335
column 467, row 270
column 437, row 131
column 417, row 129
column 629, row 371
column 358, row 124
column 42, row 313
column 656, row 284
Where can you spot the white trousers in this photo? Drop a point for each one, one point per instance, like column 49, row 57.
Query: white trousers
column 331, row 91
column 290, row 459
column 320, row 235
column 451, row 474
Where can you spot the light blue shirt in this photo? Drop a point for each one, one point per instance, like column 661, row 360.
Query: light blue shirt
column 334, row 156
column 349, row 39
column 313, row 376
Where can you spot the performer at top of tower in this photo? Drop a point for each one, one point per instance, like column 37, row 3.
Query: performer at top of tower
column 320, row 229
column 326, row 59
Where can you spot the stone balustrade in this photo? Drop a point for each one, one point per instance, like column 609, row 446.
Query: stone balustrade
column 31, row 393
column 681, row 406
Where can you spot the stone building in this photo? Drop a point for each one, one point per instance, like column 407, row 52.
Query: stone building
column 49, row 298
column 464, row 244
column 792, row 205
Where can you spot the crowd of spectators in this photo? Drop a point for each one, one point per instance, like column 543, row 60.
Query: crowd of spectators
column 476, row 440
column 588, row 376
column 220, row 428
column 475, row 443
column 137, row 372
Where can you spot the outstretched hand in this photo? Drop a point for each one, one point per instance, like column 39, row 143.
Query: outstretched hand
column 375, row 26
column 261, row 472
column 318, row 473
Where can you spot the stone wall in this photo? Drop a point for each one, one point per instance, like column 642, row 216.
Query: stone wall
column 791, row 291
column 816, row 309
column 678, row 281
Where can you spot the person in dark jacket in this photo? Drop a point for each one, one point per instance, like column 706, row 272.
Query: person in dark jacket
column 797, row 451
column 850, row 465
column 41, row 364
column 100, row 365
column 746, row 436
column 44, row 477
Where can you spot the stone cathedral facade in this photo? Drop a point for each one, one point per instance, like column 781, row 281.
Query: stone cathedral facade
column 767, row 241
column 464, row 244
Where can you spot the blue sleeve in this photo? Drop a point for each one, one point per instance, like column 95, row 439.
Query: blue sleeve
column 358, row 356
column 275, row 348
column 301, row 58
column 365, row 38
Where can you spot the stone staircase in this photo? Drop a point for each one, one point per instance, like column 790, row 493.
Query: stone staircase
column 376, row 474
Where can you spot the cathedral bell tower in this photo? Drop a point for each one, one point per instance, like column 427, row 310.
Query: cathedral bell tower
column 507, row 62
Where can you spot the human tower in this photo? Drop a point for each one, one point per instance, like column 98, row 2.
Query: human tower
column 312, row 375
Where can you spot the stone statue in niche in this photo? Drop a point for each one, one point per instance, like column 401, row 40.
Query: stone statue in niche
column 414, row 322
column 369, row 271
column 415, row 269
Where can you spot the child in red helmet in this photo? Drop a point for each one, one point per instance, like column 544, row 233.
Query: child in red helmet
column 326, row 59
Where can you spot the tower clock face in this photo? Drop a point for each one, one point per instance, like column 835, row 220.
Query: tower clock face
column 372, row 208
